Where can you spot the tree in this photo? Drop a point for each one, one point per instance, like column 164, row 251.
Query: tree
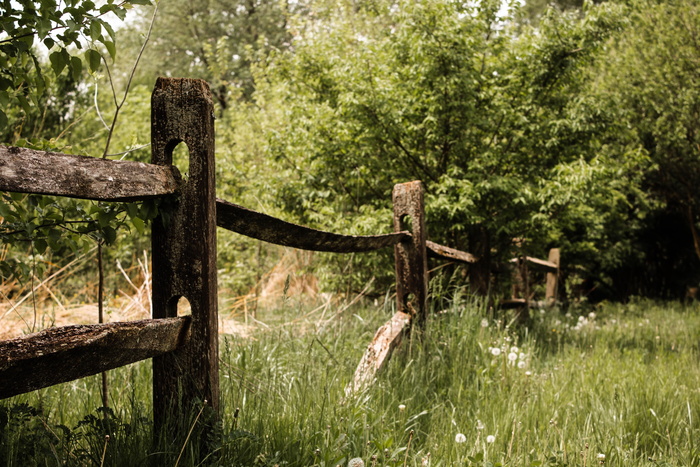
column 445, row 92
column 650, row 79
column 217, row 40
column 61, row 30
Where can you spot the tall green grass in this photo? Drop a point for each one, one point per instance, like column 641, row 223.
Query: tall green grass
column 618, row 385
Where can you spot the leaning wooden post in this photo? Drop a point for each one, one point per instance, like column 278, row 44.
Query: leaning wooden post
column 552, row 278
column 184, row 249
column 411, row 255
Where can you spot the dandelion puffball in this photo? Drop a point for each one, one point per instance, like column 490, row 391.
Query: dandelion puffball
column 490, row 439
column 356, row 462
column 460, row 438
column 402, row 407
column 495, row 351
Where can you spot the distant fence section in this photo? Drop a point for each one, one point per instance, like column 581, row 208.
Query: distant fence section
column 185, row 349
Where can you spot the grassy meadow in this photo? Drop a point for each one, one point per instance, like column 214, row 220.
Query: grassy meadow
column 615, row 385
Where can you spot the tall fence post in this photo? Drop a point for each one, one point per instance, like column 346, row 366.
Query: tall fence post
column 552, row 277
column 184, row 249
column 411, row 255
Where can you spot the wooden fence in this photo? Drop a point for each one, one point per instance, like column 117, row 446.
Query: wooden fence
column 184, row 349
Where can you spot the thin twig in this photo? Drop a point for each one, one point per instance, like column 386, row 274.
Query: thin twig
column 128, row 83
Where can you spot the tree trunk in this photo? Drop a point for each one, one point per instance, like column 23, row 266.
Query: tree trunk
column 480, row 271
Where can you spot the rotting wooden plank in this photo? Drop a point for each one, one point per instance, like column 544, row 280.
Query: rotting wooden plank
column 440, row 251
column 50, row 173
column 58, row 355
column 272, row 230
column 184, row 250
column 378, row 351
column 411, row 258
column 543, row 264
column 552, row 277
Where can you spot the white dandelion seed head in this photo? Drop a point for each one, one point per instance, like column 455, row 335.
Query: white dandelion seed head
column 490, row 439
column 484, row 323
column 514, row 350
column 522, row 356
column 402, row 407
column 522, row 364
column 528, row 373
column 356, row 462
column 479, row 425
column 460, row 438
column 591, row 315
column 495, row 351
column 512, row 357
column 600, row 457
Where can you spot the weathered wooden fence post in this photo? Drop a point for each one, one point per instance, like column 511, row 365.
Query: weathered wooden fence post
column 552, row 278
column 411, row 255
column 184, row 249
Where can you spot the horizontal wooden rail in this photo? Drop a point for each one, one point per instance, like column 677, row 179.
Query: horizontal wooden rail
column 50, row 173
column 272, row 230
column 58, row 355
column 544, row 265
column 439, row 251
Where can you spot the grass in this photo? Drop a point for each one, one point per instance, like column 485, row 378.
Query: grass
column 618, row 387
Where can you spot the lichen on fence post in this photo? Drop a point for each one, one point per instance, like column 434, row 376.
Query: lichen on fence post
column 184, row 249
column 411, row 255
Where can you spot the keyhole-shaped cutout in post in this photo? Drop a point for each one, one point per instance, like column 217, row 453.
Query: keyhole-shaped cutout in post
column 181, row 159
column 183, row 307
column 406, row 223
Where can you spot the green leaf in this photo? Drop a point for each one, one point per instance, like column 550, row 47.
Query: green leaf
column 139, row 224
column 76, row 67
column 58, row 62
column 3, row 120
column 109, row 234
column 95, row 30
column 111, row 48
column 93, row 58
column 140, row 2
column 40, row 246
column 24, row 103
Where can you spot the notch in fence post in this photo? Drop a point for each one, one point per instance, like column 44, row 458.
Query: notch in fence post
column 184, row 251
column 410, row 255
column 552, row 278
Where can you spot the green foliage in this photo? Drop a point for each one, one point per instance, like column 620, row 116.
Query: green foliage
column 62, row 29
column 446, row 92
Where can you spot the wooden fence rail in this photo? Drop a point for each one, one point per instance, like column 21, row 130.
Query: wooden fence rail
column 185, row 349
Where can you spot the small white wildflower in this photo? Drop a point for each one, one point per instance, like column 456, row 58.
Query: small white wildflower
column 356, row 462
column 484, row 323
column 522, row 364
column 460, row 438
column 402, row 407
column 490, row 439
column 495, row 351
column 479, row 425
column 512, row 357
column 601, row 457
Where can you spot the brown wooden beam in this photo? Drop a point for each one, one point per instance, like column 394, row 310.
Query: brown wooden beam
column 272, row 230
column 50, row 173
column 58, row 355
column 184, row 249
column 411, row 258
column 378, row 351
column 444, row 252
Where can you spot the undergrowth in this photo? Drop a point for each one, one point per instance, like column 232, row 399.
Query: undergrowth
column 615, row 385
